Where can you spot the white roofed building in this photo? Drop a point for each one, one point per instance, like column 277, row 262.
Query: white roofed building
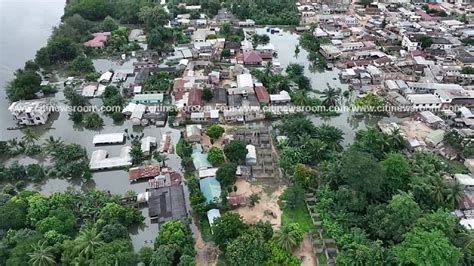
column 251, row 157
column 282, row 97
column 245, row 82
column 111, row 138
column 32, row 112
column 101, row 161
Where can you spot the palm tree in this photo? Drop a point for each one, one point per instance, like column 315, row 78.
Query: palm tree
column 330, row 97
column 437, row 189
column 301, row 98
column 289, row 237
column 29, row 136
column 51, row 144
column 88, row 241
column 162, row 158
column 297, row 49
column 331, row 136
column 42, row 255
column 455, row 193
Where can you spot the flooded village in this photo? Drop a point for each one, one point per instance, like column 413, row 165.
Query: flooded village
column 215, row 119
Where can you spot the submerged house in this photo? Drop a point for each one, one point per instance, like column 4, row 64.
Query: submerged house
column 32, row 112
column 167, row 203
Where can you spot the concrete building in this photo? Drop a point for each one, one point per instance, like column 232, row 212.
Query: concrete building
column 32, row 112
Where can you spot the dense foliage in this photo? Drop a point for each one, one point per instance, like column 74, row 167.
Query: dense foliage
column 67, row 228
column 381, row 206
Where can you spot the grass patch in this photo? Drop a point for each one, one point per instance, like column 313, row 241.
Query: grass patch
column 298, row 215
column 457, row 167
column 205, row 229
column 294, row 209
column 322, row 259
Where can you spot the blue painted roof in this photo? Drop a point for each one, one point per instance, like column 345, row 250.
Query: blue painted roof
column 211, row 189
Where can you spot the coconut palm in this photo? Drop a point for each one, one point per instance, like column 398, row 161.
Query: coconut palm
column 437, row 189
column 268, row 68
column 330, row 97
column 331, row 136
column 88, row 241
column 51, row 144
column 289, row 237
column 297, row 49
column 455, row 193
column 162, row 158
column 29, row 136
column 42, row 255
column 301, row 98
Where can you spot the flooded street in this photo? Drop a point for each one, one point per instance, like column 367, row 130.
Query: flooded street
column 348, row 122
column 29, row 31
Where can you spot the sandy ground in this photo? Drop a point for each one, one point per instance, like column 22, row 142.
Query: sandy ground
column 206, row 253
column 415, row 129
column 267, row 203
column 306, row 252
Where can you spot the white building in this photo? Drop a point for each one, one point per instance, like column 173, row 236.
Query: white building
column 251, row 157
column 282, row 97
column 100, row 159
column 32, row 112
column 245, row 83
column 424, row 101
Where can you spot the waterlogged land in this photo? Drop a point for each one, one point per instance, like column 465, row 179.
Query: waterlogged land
column 36, row 28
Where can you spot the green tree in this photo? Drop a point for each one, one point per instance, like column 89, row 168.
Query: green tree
column 248, row 249
column 61, row 220
column 467, row 70
column 215, row 155
column 174, row 243
column 42, row 255
column 109, row 24
column 81, row 65
column 254, row 199
column 93, row 121
column 207, row 94
column 225, row 53
column 426, row 248
column 29, row 136
column 227, row 228
column 88, row 242
column 153, row 16
column 331, row 136
column 112, row 99
column 24, row 86
column 215, row 131
column 279, row 256
column 330, row 97
column 145, row 254
column 117, row 252
column 13, row 215
column 289, row 236
column 370, row 100
column 226, row 174
column 426, row 41
column 362, row 172
column 136, row 154
column 294, row 70
column 235, row 151
column 440, row 220
column 397, row 171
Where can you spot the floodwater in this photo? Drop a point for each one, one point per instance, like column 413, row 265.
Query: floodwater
column 348, row 122
column 26, row 26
